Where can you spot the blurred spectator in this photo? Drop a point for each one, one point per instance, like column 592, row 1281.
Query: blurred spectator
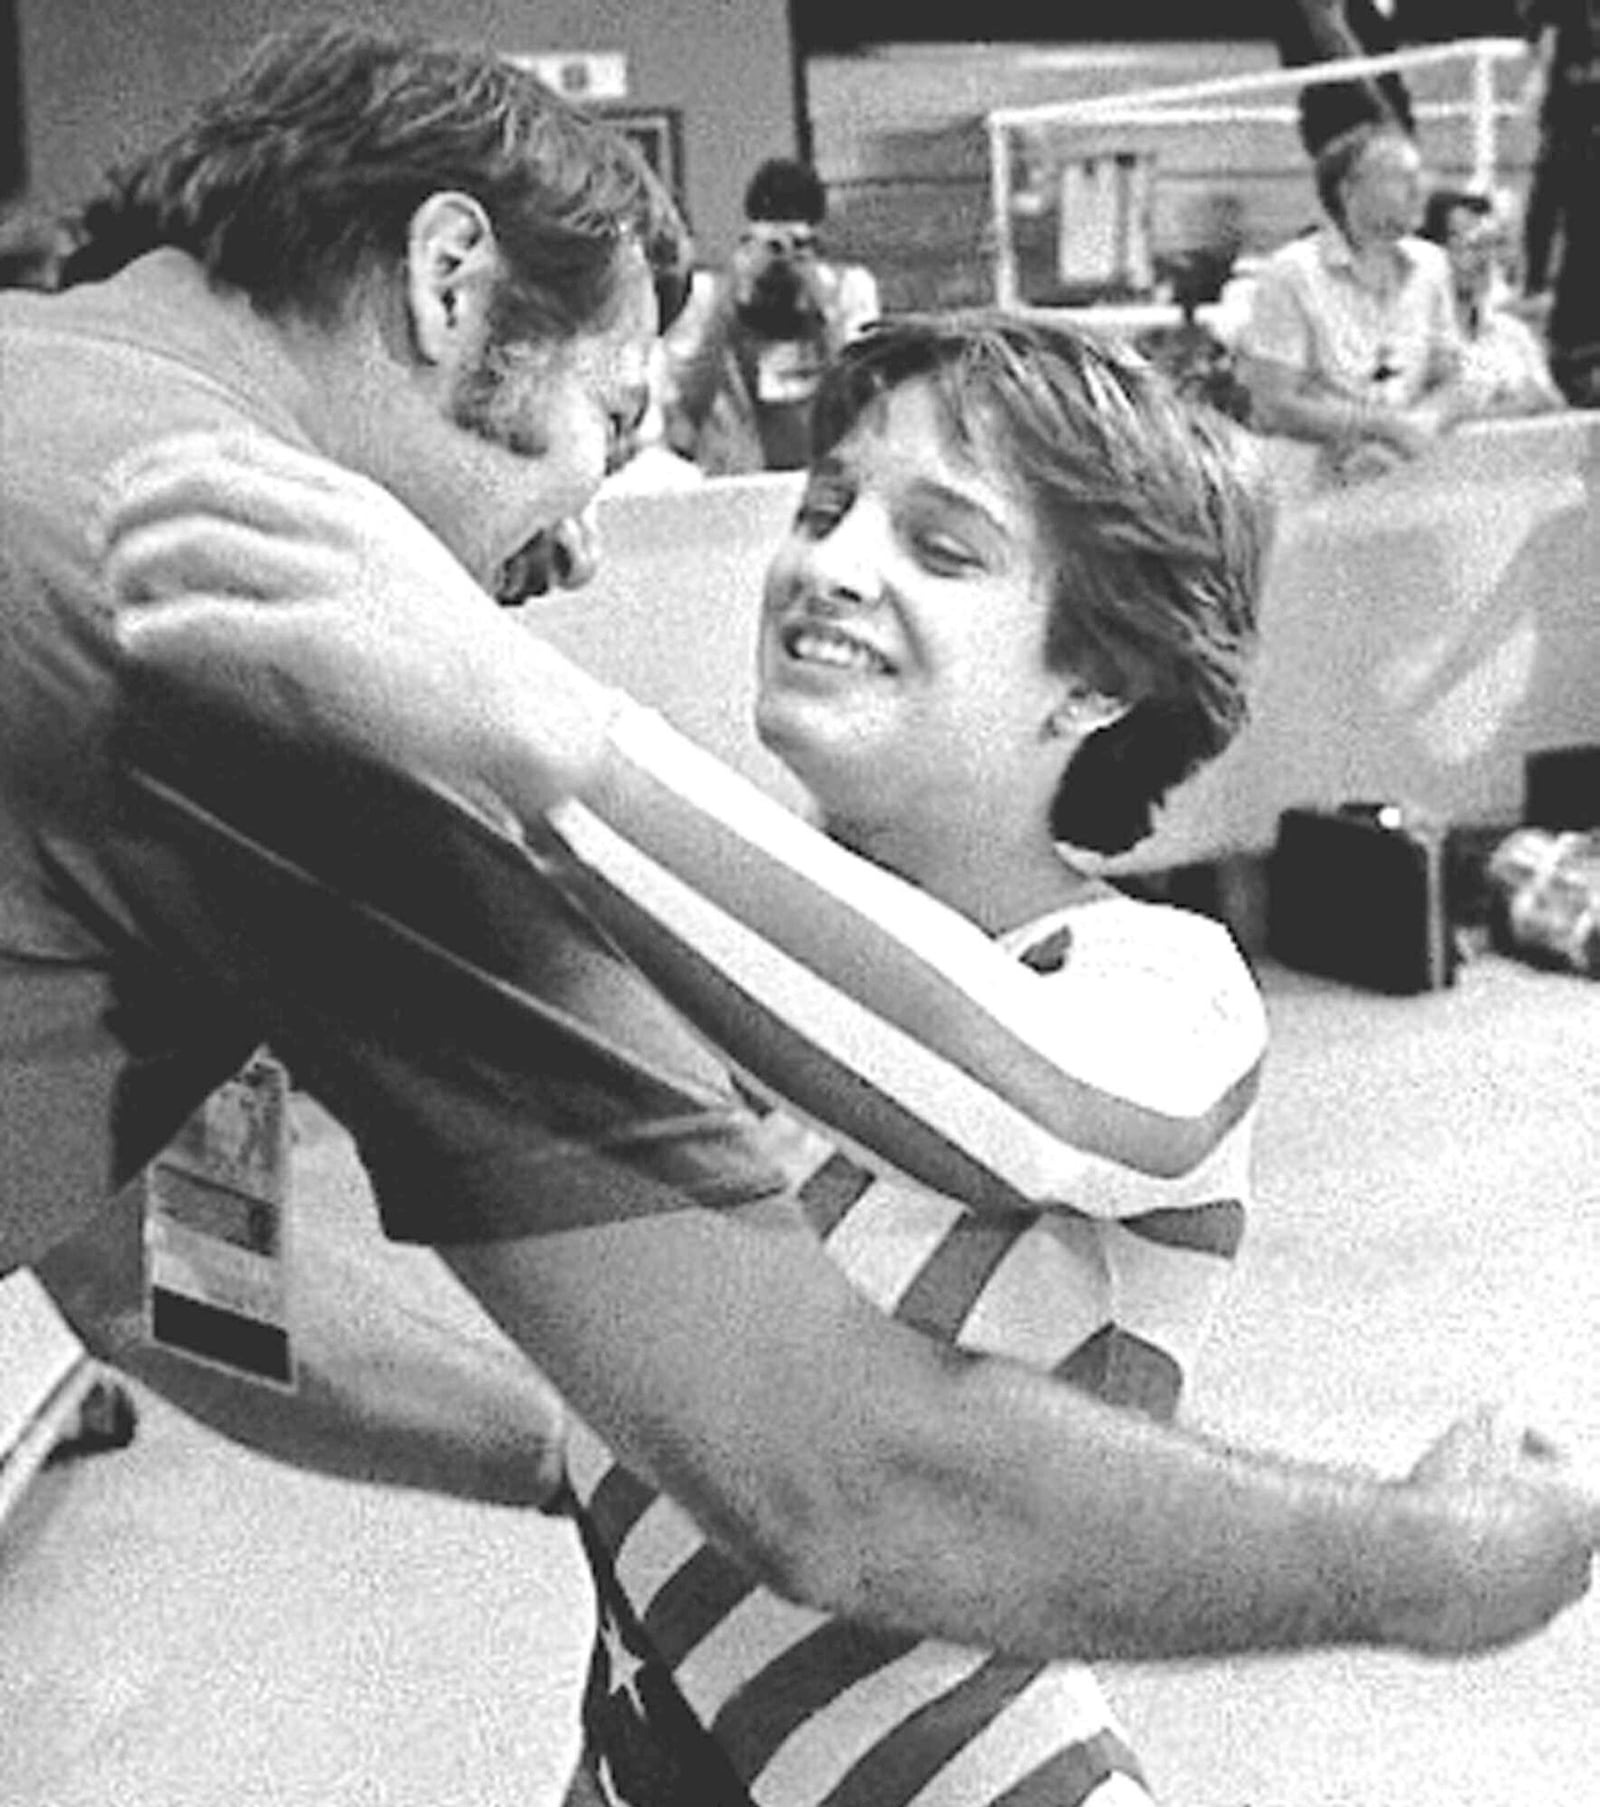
column 1326, row 31
column 1351, row 340
column 1199, row 363
column 743, row 362
column 1193, row 353
column 1504, row 368
column 1197, row 274
column 1561, row 237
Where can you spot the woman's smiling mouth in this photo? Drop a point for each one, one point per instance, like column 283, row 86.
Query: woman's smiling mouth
column 821, row 643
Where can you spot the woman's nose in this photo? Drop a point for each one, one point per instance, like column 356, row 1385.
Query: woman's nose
column 846, row 562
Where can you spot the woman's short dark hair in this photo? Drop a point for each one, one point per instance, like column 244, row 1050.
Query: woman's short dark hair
column 1443, row 204
column 300, row 177
column 1152, row 508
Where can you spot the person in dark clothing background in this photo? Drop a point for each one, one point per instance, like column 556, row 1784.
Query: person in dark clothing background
column 1561, row 227
column 744, row 361
column 1325, row 31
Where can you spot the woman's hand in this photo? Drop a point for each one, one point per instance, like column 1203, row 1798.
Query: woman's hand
column 293, row 589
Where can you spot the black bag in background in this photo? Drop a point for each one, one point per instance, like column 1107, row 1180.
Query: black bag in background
column 1561, row 788
column 1358, row 893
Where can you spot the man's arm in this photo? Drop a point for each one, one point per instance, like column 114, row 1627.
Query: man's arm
column 851, row 1463
column 402, row 1381
column 867, row 1471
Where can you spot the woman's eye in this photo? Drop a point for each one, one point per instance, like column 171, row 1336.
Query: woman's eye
column 939, row 553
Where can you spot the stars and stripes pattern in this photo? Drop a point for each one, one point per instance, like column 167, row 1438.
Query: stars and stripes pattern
column 719, row 1679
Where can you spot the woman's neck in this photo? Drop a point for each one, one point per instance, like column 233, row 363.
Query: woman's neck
column 998, row 885
column 1377, row 261
column 1469, row 312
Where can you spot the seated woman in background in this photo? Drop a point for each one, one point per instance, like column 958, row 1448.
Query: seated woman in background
column 1014, row 608
column 1504, row 366
column 1351, row 342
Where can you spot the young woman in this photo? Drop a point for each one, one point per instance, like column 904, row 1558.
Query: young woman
column 1014, row 608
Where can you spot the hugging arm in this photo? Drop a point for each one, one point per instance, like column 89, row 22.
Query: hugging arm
column 830, row 983
column 874, row 1474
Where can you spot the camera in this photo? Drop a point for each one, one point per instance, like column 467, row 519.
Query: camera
column 782, row 244
column 777, row 302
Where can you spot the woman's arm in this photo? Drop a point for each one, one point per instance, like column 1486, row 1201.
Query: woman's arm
column 1282, row 402
column 833, row 985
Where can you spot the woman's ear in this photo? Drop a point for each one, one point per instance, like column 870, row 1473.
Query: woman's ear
column 1083, row 711
column 452, row 261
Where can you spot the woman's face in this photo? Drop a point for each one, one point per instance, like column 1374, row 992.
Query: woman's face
column 1476, row 244
column 901, row 664
column 1383, row 194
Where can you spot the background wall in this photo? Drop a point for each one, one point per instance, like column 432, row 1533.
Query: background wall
column 896, row 129
column 98, row 79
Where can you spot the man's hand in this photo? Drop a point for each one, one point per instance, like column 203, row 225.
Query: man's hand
column 298, row 592
column 1527, row 1528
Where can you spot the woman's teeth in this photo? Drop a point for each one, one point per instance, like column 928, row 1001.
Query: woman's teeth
column 827, row 646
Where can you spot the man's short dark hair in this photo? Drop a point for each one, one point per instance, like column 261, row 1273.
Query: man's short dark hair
column 299, row 178
column 782, row 189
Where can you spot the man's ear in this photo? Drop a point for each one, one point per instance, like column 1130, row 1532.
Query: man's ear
column 452, row 261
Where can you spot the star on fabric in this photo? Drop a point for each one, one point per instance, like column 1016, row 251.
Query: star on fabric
column 624, row 1666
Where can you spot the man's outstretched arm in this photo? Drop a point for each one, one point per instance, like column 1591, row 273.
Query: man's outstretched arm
column 862, row 1469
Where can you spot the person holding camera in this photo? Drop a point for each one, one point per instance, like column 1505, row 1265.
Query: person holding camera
column 745, row 359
